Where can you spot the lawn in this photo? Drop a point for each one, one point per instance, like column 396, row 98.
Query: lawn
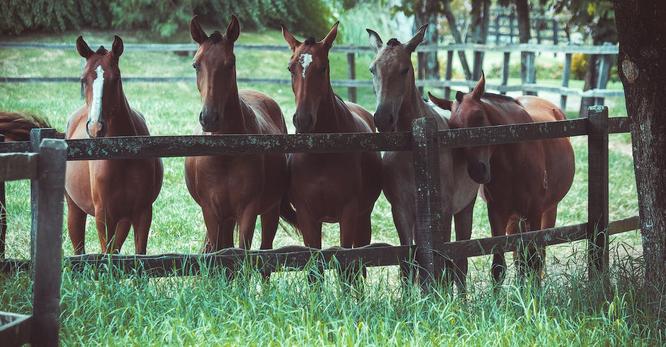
column 207, row 309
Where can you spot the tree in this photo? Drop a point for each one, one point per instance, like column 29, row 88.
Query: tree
column 480, row 16
column 642, row 36
column 523, row 12
column 425, row 12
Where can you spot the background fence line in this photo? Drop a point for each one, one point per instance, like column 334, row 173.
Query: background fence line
column 599, row 92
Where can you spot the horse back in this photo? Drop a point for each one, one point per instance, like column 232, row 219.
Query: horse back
column 267, row 112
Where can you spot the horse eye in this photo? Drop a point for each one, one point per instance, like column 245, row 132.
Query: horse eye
column 195, row 66
column 372, row 70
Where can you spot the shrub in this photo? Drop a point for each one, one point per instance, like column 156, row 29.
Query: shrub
column 579, row 65
column 17, row 16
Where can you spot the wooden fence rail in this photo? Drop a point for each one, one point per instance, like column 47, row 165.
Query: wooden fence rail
column 528, row 86
column 429, row 252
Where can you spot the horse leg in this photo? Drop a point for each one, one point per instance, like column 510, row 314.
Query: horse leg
column 463, row 220
column 404, row 224
column 269, row 224
column 363, row 235
column 311, row 230
column 498, row 220
column 349, row 230
column 548, row 220
column 246, row 224
column 106, row 228
column 122, row 230
column 213, row 240
column 76, row 226
column 141, row 224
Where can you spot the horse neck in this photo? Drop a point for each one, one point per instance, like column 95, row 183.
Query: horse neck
column 333, row 115
column 237, row 116
column 120, row 122
column 412, row 107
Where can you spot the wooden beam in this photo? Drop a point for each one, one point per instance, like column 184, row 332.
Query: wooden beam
column 17, row 166
column 15, row 329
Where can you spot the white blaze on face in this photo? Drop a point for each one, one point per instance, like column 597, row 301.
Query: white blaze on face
column 305, row 60
column 96, row 105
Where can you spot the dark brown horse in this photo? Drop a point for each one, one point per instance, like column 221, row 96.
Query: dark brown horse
column 234, row 189
column 16, row 126
column 333, row 187
column 399, row 103
column 522, row 182
column 118, row 193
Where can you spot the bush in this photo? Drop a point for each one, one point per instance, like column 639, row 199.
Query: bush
column 579, row 65
column 311, row 17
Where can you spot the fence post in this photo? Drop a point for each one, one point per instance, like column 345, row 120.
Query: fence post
column 530, row 71
column 47, row 260
column 351, row 73
column 566, row 74
column 420, row 69
column 497, row 30
column 448, row 74
column 511, row 18
column 428, row 203
column 597, row 204
column 3, row 215
column 556, row 32
column 505, row 71
column 36, row 137
column 602, row 74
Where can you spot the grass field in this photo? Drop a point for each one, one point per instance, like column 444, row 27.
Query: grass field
column 208, row 309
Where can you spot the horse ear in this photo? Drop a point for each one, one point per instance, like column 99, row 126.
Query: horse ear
column 233, row 30
column 330, row 37
column 198, row 34
column 83, row 48
column 480, row 87
column 441, row 103
column 117, row 47
column 459, row 96
column 291, row 40
column 375, row 40
column 417, row 39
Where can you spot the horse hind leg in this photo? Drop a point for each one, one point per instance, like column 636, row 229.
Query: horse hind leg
column 498, row 223
column 120, row 234
column 76, row 226
column 141, row 225
column 269, row 224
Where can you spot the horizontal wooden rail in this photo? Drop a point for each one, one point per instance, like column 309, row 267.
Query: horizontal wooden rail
column 297, row 257
column 15, row 329
column 180, row 47
column 18, row 166
column 135, row 147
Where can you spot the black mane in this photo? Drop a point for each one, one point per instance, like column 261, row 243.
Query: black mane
column 310, row 41
column 393, row 42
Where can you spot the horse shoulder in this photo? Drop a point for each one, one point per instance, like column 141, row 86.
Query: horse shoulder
column 77, row 118
column 139, row 122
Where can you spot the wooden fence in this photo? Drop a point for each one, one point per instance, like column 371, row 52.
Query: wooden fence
column 605, row 53
column 46, row 170
column 424, row 140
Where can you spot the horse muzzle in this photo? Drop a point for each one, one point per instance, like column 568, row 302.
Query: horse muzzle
column 303, row 122
column 95, row 129
column 385, row 119
column 209, row 120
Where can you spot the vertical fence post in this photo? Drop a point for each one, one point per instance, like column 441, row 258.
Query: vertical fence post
column 36, row 137
column 420, row 66
column 505, row 71
column 3, row 215
column 511, row 24
column 428, row 203
column 47, row 259
column 497, row 30
column 597, row 208
column 448, row 74
column 566, row 74
column 351, row 73
column 556, row 32
column 602, row 75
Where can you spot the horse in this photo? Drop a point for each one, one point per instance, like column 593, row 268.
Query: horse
column 523, row 182
column 329, row 187
column 16, row 126
column 118, row 193
column 234, row 189
column 399, row 103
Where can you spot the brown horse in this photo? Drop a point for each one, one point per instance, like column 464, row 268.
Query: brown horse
column 234, row 189
column 15, row 126
column 118, row 193
column 523, row 181
column 398, row 105
column 332, row 187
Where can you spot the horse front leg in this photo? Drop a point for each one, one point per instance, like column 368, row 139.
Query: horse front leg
column 498, row 220
column 463, row 221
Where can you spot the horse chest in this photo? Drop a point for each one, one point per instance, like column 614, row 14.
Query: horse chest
column 220, row 180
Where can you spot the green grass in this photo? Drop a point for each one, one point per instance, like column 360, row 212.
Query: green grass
column 207, row 309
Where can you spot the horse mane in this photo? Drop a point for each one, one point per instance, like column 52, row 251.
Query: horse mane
column 393, row 42
column 15, row 126
column 310, row 41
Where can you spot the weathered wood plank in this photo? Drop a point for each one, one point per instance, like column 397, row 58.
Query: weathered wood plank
column 351, row 75
column 505, row 71
column 597, row 200
column 566, row 74
column 448, row 74
column 47, row 257
column 618, row 125
column 429, row 216
column 15, row 329
column 3, row 214
column 17, row 166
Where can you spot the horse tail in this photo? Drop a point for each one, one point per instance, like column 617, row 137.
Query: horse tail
column 15, row 126
column 288, row 213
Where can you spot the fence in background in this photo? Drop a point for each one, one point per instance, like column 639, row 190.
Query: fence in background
column 606, row 54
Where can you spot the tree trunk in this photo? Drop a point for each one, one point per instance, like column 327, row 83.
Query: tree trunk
column 602, row 31
column 523, row 11
column 642, row 33
column 426, row 13
column 451, row 19
column 480, row 23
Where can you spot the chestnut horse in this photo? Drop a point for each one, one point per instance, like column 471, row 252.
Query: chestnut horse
column 398, row 105
column 329, row 187
column 234, row 189
column 118, row 193
column 522, row 182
